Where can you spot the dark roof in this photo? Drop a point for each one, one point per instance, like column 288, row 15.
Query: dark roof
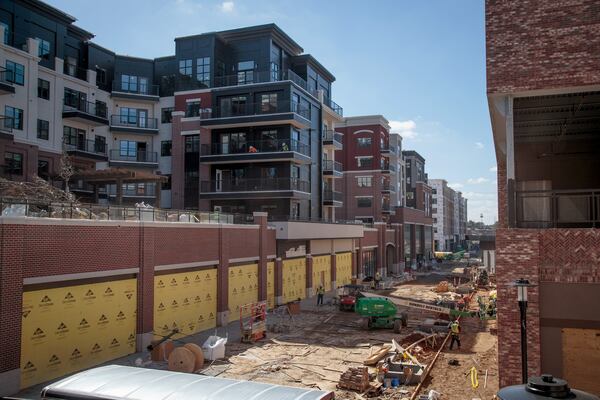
column 59, row 15
column 309, row 59
column 412, row 153
column 280, row 36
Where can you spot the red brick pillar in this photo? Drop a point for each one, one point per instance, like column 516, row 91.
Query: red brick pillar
column 260, row 219
column 145, row 289
column 517, row 256
column 177, row 161
column 333, row 272
column 278, row 281
column 223, row 278
column 309, row 280
column 11, row 305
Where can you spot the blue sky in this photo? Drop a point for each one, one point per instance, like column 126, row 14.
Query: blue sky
column 421, row 64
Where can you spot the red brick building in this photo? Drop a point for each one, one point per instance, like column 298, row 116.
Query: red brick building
column 543, row 88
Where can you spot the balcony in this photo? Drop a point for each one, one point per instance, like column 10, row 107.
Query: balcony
column 256, row 114
column 387, row 150
column 255, row 188
column 256, row 151
column 86, row 112
column 132, row 124
column 6, row 86
column 386, row 208
column 253, row 77
column 333, row 106
column 387, row 168
column 87, row 149
column 138, row 159
column 332, row 198
column 134, row 91
column 386, row 187
column 332, row 139
column 541, row 209
column 75, row 71
column 333, row 169
column 6, row 126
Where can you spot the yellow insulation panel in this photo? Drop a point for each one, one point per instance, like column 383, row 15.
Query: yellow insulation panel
column 243, row 288
column 343, row 268
column 294, row 279
column 67, row 329
column 270, row 285
column 186, row 301
column 321, row 272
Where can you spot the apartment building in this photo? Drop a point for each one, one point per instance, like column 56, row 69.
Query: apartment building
column 236, row 121
column 543, row 89
column 370, row 163
column 398, row 196
column 449, row 212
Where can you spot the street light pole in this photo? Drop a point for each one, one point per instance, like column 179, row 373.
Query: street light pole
column 522, row 285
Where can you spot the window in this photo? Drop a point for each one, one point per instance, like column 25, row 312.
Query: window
column 6, row 32
column 100, row 76
column 269, row 140
column 165, row 115
column 43, row 169
column 128, row 148
column 410, row 195
column 203, row 71
column 231, row 106
column 364, row 162
column 74, row 137
column 128, row 115
column 129, row 83
column 101, row 109
column 43, row 48
column 14, row 118
column 43, row 89
column 185, row 67
column 268, row 103
column 166, row 185
column 165, row 148
column 15, row 73
column 100, row 144
column 363, row 142
column 363, row 202
column 231, row 143
column 43, row 129
column 13, row 163
column 192, row 109
column 364, row 181
column 245, row 72
column 192, row 144
column 75, row 99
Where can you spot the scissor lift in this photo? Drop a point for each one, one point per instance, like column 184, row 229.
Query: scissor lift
column 253, row 321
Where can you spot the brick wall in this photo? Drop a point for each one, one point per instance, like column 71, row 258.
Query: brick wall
column 502, row 195
column 537, row 44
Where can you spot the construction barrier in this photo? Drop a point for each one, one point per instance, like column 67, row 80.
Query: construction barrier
column 321, row 273
column 70, row 328
column 294, row 279
column 243, row 288
column 270, row 285
column 186, row 301
column 343, row 268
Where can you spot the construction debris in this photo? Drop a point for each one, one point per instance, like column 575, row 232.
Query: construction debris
column 355, row 379
column 38, row 190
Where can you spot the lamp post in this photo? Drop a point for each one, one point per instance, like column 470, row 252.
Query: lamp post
column 522, row 285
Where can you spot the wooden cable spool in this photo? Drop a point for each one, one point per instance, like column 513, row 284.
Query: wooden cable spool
column 182, row 360
column 198, row 355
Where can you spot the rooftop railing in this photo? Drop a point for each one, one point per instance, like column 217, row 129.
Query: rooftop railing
column 23, row 208
column 290, row 218
column 254, row 185
column 558, row 208
column 256, row 146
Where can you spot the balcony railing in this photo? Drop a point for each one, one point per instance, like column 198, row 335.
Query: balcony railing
column 254, row 185
column 6, row 123
column 87, row 107
column 332, row 136
column 331, row 195
column 386, row 148
column 332, row 166
column 256, row 146
column 387, row 187
column 385, row 207
column 135, row 88
column 75, row 71
column 388, row 167
column 558, row 208
column 133, row 122
column 87, row 146
column 252, row 77
column 139, row 156
column 6, row 76
column 248, row 109
column 148, row 190
column 335, row 107
column 24, row 208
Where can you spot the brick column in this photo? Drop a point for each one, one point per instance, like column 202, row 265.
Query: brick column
column 278, row 281
column 260, row 219
column 309, row 280
column 223, row 278
column 145, row 289
column 11, row 304
column 333, row 271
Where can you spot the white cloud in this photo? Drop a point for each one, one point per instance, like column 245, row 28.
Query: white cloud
column 407, row 129
column 456, row 185
column 477, row 181
column 494, row 169
column 479, row 145
column 227, row 6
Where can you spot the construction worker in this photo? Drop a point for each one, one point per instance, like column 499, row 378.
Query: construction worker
column 454, row 332
column 320, row 294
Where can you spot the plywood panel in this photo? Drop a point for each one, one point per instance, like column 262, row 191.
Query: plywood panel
column 581, row 358
column 343, row 264
column 186, row 301
column 321, row 272
column 243, row 288
column 294, row 279
column 71, row 328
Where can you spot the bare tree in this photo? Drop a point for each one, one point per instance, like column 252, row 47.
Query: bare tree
column 66, row 169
